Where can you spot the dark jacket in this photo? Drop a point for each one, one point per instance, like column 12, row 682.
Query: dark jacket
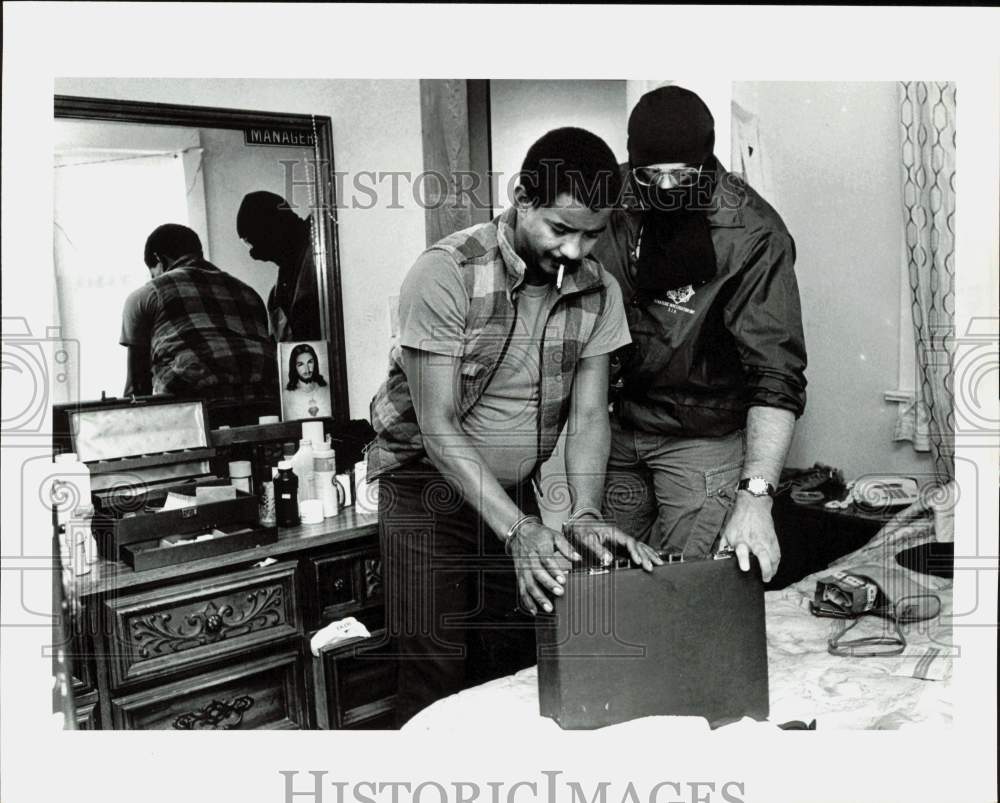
column 699, row 361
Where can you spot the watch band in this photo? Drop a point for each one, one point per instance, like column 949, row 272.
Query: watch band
column 756, row 486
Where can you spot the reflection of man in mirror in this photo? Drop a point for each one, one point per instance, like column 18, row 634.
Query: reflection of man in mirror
column 195, row 330
column 267, row 224
column 304, row 397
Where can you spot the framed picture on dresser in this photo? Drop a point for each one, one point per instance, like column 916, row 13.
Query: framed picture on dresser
column 304, row 369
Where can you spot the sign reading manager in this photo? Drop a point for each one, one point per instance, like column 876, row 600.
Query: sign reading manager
column 279, row 136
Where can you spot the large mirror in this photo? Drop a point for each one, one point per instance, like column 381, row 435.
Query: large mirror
column 123, row 168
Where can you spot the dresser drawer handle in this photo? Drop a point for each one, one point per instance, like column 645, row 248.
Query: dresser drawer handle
column 216, row 715
column 157, row 633
column 338, row 584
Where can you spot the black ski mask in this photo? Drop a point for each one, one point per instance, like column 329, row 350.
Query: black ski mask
column 673, row 125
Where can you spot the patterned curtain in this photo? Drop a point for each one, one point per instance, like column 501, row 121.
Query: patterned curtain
column 927, row 136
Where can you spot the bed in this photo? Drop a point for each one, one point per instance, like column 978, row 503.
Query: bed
column 807, row 684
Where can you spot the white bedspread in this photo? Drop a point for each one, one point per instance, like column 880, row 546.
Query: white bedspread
column 806, row 682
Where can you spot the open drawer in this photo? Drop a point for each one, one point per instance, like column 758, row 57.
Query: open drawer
column 355, row 685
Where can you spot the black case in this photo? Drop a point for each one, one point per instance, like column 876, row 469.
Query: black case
column 687, row 639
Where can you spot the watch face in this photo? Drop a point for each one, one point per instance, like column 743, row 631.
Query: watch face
column 758, row 486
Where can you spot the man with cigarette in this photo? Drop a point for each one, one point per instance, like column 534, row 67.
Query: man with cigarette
column 505, row 334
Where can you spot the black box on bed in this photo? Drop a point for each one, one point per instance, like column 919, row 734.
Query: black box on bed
column 686, row 639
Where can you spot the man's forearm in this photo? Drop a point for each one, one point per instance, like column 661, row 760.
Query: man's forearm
column 138, row 378
column 588, row 444
column 769, row 434
column 455, row 456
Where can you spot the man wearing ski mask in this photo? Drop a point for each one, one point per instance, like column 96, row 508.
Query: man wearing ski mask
column 708, row 393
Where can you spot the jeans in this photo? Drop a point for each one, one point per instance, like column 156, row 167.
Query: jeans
column 674, row 493
column 451, row 592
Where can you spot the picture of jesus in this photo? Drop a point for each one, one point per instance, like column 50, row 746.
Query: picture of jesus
column 305, row 392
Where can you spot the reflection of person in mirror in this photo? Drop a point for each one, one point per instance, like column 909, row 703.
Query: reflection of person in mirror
column 195, row 330
column 304, row 394
column 267, row 224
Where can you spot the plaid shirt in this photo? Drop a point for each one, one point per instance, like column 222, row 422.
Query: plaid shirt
column 492, row 273
column 210, row 335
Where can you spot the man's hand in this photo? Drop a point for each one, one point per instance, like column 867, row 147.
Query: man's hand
column 542, row 557
column 751, row 530
column 594, row 535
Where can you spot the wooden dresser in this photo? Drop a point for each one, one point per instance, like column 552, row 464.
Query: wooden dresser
column 223, row 643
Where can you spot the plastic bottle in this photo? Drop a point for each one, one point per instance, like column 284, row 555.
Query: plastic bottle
column 313, row 431
column 266, row 507
column 73, row 489
column 324, row 458
column 302, row 464
column 325, row 464
column 286, row 499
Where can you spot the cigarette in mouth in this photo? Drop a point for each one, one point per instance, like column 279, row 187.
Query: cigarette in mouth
column 559, row 276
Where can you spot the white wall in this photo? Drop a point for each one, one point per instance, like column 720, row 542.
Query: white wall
column 522, row 111
column 376, row 126
column 834, row 157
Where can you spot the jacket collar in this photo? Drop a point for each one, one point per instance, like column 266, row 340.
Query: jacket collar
column 587, row 277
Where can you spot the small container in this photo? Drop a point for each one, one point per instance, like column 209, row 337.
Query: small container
column 286, row 495
column 330, row 493
column 347, row 487
column 302, row 463
column 268, row 513
column 79, row 560
column 312, row 511
column 365, row 494
column 241, row 473
column 70, row 487
column 312, row 431
column 268, row 419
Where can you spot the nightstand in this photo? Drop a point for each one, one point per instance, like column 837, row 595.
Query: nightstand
column 812, row 536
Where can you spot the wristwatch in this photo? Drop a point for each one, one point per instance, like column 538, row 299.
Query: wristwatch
column 756, row 486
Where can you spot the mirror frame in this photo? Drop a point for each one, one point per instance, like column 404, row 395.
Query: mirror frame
column 328, row 279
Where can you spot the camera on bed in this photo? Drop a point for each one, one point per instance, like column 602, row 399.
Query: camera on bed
column 844, row 596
